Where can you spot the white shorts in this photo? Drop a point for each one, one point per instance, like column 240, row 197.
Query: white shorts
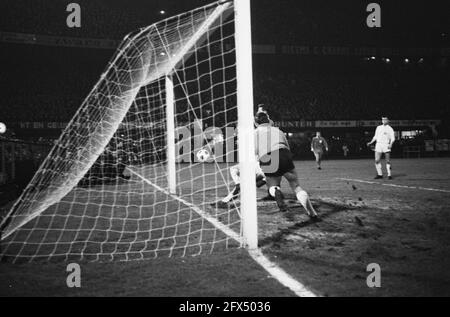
column 382, row 148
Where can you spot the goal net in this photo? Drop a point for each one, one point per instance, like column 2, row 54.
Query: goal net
column 124, row 181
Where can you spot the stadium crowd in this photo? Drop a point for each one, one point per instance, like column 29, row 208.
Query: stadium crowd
column 273, row 20
column 49, row 18
column 49, row 84
column 46, row 84
column 351, row 88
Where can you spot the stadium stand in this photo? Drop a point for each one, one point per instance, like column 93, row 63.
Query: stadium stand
column 47, row 84
column 54, row 80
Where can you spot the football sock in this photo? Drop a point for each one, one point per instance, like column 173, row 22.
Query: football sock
column 236, row 190
column 303, row 198
column 379, row 169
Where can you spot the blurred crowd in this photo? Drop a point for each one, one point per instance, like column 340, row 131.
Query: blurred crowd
column 42, row 84
column 46, row 84
column 19, row 160
column 356, row 90
column 282, row 21
column 49, row 18
column 49, row 84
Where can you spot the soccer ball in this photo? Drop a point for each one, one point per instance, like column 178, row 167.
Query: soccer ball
column 2, row 128
column 203, row 155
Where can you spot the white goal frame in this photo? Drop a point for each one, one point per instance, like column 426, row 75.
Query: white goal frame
column 246, row 143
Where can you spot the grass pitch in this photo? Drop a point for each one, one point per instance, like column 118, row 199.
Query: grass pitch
column 403, row 225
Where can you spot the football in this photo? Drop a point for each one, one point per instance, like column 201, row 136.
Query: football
column 203, row 155
column 2, row 128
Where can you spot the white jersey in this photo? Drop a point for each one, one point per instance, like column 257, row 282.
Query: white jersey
column 269, row 139
column 384, row 135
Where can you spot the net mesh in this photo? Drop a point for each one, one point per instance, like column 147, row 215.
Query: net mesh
column 102, row 193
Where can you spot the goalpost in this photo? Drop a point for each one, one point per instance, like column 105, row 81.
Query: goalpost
column 245, row 122
column 123, row 182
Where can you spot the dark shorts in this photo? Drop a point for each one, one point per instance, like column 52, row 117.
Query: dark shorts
column 277, row 163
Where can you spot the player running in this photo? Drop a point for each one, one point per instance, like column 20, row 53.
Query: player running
column 275, row 157
column 319, row 146
column 384, row 138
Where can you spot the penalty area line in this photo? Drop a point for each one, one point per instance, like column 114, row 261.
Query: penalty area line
column 273, row 269
column 394, row 185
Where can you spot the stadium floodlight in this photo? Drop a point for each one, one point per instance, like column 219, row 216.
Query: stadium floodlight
column 118, row 185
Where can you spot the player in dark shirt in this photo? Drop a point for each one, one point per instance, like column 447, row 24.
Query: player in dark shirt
column 275, row 158
column 319, row 146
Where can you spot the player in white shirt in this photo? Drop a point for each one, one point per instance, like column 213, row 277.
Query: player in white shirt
column 384, row 138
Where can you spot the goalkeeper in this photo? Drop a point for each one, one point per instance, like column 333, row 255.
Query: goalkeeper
column 272, row 149
column 234, row 171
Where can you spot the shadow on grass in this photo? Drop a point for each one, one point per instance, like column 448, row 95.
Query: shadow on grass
column 325, row 210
